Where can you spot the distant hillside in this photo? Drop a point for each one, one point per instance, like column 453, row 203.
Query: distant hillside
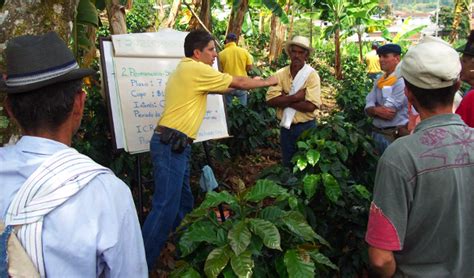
column 420, row 5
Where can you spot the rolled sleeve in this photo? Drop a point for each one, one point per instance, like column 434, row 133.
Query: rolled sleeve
column 370, row 99
column 397, row 100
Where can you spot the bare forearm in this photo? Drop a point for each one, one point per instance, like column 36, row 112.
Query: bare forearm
column 303, row 106
column 282, row 101
column 247, row 83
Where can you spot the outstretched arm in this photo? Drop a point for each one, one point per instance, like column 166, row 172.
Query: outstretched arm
column 246, row 83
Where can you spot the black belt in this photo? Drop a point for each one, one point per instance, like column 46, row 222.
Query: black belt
column 163, row 129
column 384, row 128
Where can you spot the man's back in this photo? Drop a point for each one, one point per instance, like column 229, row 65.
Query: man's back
column 372, row 61
column 424, row 200
column 234, row 60
column 95, row 231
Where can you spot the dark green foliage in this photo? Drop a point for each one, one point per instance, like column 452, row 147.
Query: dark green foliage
column 265, row 235
column 251, row 127
column 355, row 86
column 333, row 177
column 141, row 17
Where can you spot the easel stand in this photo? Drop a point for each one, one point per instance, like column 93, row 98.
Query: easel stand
column 209, row 162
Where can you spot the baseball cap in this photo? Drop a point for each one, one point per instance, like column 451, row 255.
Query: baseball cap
column 423, row 67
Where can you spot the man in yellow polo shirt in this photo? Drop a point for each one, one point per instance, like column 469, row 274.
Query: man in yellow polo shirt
column 235, row 61
column 296, row 96
column 373, row 63
column 185, row 106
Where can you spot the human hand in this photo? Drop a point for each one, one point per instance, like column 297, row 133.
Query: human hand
column 300, row 95
column 272, row 80
column 385, row 112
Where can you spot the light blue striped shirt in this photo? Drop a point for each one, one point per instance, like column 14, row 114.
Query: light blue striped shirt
column 95, row 232
column 392, row 97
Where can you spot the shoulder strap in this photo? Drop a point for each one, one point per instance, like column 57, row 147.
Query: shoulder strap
column 57, row 179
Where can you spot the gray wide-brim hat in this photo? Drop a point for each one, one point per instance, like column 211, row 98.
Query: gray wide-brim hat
column 36, row 61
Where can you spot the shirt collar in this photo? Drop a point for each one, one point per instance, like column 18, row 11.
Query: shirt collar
column 39, row 145
column 440, row 120
column 230, row 44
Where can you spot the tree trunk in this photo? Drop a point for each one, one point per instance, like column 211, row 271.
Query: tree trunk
column 22, row 17
column 337, row 54
column 290, row 12
column 116, row 14
column 277, row 37
column 194, row 22
column 236, row 19
column 37, row 17
column 169, row 23
column 359, row 39
column 205, row 14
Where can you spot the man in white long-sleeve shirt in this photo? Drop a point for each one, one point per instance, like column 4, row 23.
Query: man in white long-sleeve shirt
column 74, row 217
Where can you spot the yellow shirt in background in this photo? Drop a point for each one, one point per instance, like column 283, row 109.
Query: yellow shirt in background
column 372, row 61
column 234, row 60
column 186, row 95
column 313, row 93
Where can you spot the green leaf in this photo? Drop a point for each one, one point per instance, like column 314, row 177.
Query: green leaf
column 186, row 245
column 185, row 271
column 297, row 224
column 194, row 215
column 293, row 202
column 299, row 264
column 100, row 4
column 242, row 264
column 321, row 259
column 239, row 237
column 302, row 145
column 202, row 231
column 267, row 231
column 277, row 10
column 331, row 187
column 216, row 261
column 213, row 199
column 264, row 189
column 310, row 184
column 87, row 13
column 362, row 191
column 313, row 157
column 271, row 213
column 301, row 163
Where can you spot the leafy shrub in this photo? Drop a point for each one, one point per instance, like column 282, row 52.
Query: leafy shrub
column 141, row 17
column 253, row 126
column 353, row 90
column 339, row 156
column 334, row 162
column 265, row 236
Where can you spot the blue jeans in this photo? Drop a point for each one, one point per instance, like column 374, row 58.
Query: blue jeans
column 172, row 197
column 240, row 94
column 381, row 142
column 289, row 137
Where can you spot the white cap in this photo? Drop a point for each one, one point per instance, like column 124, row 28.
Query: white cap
column 431, row 64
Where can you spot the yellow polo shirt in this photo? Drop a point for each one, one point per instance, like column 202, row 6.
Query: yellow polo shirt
column 186, row 95
column 313, row 93
column 234, row 60
column 372, row 61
